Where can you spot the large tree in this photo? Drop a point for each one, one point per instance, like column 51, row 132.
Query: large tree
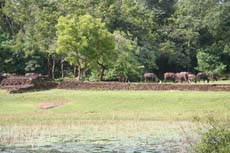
column 84, row 40
column 195, row 27
column 126, row 63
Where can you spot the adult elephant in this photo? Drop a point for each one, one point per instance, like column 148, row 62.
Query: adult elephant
column 182, row 77
column 202, row 76
column 169, row 76
column 151, row 77
column 122, row 79
column 191, row 78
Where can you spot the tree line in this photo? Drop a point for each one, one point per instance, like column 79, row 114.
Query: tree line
column 105, row 39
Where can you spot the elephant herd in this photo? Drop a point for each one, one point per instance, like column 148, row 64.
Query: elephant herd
column 180, row 77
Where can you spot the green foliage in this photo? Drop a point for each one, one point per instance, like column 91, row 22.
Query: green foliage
column 196, row 26
column 85, row 39
column 158, row 35
column 31, row 29
column 216, row 140
column 175, row 56
column 126, row 63
column 209, row 63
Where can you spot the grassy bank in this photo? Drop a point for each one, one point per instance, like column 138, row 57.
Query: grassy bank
column 113, row 105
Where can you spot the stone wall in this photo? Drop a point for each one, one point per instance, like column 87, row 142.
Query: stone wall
column 76, row 85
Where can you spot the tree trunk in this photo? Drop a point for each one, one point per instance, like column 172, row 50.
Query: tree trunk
column 102, row 70
column 84, row 73
column 84, row 70
column 79, row 73
column 49, row 67
column 53, row 67
column 62, row 68
column 101, row 75
column 74, row 71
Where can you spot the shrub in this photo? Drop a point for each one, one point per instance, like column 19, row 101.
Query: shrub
column 216, row 140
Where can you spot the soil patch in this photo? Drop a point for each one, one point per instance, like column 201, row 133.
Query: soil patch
column 52, row 104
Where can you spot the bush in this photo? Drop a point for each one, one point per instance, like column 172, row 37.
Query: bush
column 216, row 140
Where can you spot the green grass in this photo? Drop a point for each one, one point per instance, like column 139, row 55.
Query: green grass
column 221, row 82
column 114, row 105
column 215, row 82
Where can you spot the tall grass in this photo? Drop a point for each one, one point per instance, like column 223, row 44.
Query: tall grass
column 151, row 135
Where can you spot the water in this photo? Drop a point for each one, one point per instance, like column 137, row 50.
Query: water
column 101, row 136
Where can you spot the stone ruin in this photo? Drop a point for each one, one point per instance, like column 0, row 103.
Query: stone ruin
column 9, row 80
column 14, row 83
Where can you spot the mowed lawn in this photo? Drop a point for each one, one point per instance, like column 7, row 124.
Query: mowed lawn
column 113, row 105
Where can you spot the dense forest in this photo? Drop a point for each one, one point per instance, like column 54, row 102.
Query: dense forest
column 104, row 39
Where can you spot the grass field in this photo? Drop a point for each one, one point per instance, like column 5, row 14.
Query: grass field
column 108, row 121
column 113, row 105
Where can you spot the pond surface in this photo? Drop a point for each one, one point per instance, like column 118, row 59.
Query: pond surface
column 101, row 136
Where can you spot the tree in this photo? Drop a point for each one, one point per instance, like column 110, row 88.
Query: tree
column 21, row 20
column 126, row 63
column 85, row 39
column 217, row 21
column 209, row 63
column 10, row 60
column 192, row 28
column 136, row 20
column 45, row 32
